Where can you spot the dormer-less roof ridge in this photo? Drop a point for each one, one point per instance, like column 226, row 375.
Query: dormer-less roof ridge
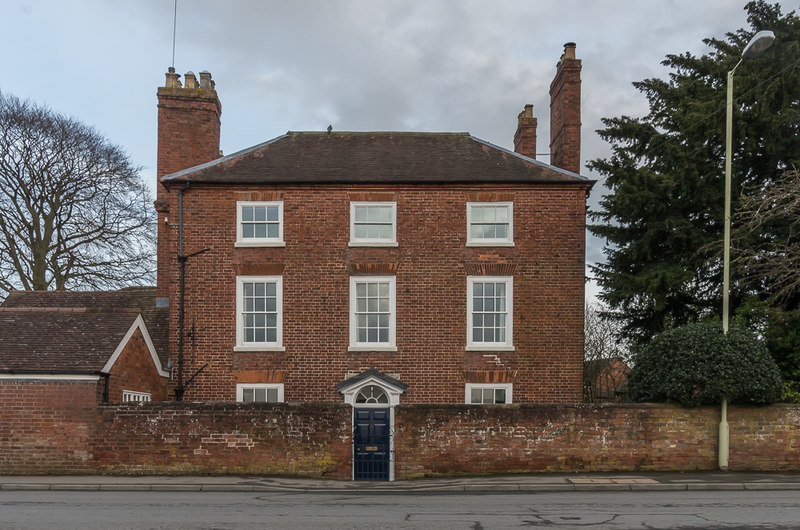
column 221, row 160
column 532, row 160
column 376, row 157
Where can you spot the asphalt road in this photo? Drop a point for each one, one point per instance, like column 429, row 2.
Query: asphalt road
column 209, row 510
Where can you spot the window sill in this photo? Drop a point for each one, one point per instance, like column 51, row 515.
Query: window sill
column 245, row 244
column 490, row 243
column 372, row 348
column 488, row 348
column 372, row 244
column 259, row 348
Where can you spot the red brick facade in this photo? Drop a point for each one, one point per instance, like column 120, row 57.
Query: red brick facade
column 432, row 262
column 136, row 371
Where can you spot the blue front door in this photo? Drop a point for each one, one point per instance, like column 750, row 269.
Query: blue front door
column 371, row 444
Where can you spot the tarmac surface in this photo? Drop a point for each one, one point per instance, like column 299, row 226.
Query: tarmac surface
column 562, row 482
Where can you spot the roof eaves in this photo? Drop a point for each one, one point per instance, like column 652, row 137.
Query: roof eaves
column 188, row 171
column 532, row 160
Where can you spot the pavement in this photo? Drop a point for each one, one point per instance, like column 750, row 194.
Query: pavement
column 561, row 482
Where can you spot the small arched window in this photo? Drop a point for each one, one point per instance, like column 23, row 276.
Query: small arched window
column 372, row 394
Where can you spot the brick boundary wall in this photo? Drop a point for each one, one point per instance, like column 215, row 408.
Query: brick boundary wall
column 469, row 439
column 309, row 439
column 42, row 435
column 46, row 427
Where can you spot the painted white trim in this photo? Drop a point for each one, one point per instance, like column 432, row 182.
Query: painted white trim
column 508, row 387
column 372, row 348
column 242, row 241
column 491, row 242
column 49, row 377
column 136, row 394
column 392, row 391
column 394, row 399
column 240, row 387
column 489, row 348
column 259, row 348
column 239, row 244
column 372, row 242
column 508, row 345
column 391, row 345
column 140, row 325
column 240, row 345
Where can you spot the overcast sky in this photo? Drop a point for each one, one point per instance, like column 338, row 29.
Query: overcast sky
column 422, row 65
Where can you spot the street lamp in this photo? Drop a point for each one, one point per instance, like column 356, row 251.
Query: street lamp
column 757, row 45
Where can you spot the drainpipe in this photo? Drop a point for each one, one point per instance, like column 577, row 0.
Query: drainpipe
column 106, row 386
column 180, row 388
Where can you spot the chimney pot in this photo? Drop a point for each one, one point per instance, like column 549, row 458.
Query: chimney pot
column 569, row 51
column 173, row 79
column 528, row 112
column 205, row 80
column 190, row 81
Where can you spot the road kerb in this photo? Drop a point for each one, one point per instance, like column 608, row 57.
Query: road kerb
column 714, row 486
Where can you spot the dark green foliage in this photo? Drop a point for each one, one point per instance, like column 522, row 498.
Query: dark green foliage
column 663, row 218
column 699, row 365
column 780, row 330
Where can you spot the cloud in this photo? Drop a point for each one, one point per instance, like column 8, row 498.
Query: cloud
column 445, row 65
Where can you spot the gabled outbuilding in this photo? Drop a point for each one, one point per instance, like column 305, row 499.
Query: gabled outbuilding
column 98, row 341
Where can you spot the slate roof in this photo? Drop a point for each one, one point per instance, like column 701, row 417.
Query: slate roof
column 75, row 330
column 375, row 158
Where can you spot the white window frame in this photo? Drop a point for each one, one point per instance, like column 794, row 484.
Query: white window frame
column 376, row 242
column 390, row 345
column 240, row 388
column 242, row 241
column 508, row 344
column 241, row 345
column 507, row 241
column 132, row 396
column 508, row 387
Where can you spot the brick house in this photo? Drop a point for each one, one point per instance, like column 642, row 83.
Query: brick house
column 83, row 348
column 372, row 267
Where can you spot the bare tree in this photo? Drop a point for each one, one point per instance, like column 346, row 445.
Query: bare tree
column 74, row 211
column 767, row 239
column 606, row 358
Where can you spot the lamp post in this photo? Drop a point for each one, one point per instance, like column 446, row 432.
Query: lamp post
column 757, row 45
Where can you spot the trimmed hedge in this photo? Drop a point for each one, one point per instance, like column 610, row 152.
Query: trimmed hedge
column 698, row 364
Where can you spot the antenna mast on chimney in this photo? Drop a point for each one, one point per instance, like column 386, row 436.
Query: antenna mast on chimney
column 174, row 28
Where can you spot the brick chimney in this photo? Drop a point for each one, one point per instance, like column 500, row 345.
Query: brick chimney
column 188, row 135
column 188, row 122
column 525, row 137
column 565, row 112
